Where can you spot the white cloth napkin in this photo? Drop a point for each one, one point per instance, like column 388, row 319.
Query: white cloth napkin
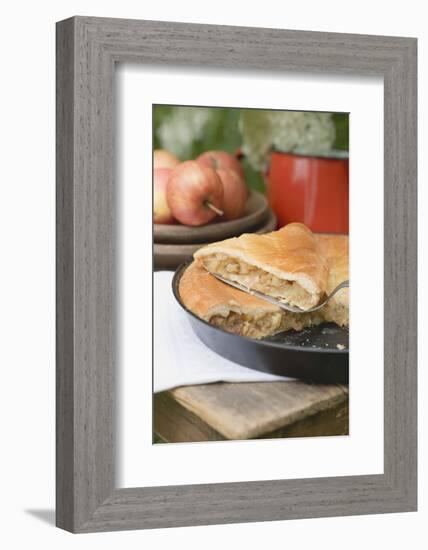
column 180, row 358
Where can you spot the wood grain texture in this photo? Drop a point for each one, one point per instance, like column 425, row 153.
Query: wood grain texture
column 175, row 424
column 87, row 49
column 64, row 279
column 249, row 410
column 327, row 422
column 245, row 410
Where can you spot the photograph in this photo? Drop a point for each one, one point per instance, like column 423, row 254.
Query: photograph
column 250, row 273
column 188, row 191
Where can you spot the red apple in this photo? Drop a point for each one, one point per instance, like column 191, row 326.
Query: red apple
column 234, row 194
column 161, row 211
column 221, row 159
column 164, row 159
column 194, row 193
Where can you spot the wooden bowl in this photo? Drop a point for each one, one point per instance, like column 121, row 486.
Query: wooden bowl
column 170, row 256
column 256, row 210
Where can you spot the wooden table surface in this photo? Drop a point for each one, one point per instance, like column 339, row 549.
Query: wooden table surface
column 251, row 410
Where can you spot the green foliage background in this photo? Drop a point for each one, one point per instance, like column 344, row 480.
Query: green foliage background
column 222, row 133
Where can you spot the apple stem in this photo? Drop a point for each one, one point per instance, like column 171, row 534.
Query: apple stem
column 214, row 208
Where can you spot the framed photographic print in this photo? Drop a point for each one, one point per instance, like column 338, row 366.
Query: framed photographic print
column 218, row 189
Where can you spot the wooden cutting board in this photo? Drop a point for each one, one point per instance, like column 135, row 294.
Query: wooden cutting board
column 249, row 410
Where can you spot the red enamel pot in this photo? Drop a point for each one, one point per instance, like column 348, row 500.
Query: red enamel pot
column 311, row 190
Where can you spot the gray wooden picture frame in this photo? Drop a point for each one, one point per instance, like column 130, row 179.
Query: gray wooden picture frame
column 87, row 51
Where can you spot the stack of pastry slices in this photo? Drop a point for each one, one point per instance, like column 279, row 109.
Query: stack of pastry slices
column 292, row 264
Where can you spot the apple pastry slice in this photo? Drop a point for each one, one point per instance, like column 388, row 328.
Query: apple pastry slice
column 335, row 249
column 286, row 264
column 235, row 311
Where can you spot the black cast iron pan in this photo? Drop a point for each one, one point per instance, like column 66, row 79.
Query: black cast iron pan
column 311, row 354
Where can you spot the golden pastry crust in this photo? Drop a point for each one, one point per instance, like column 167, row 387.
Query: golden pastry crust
column 236, row 311
column 241, row 313
column 206, row 296
column 286, row 263
column 335, row 249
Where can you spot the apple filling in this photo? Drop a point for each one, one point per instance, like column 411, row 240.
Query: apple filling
column 253, row 277
column 248, row 325
column 337, row 313
column 266, row 324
